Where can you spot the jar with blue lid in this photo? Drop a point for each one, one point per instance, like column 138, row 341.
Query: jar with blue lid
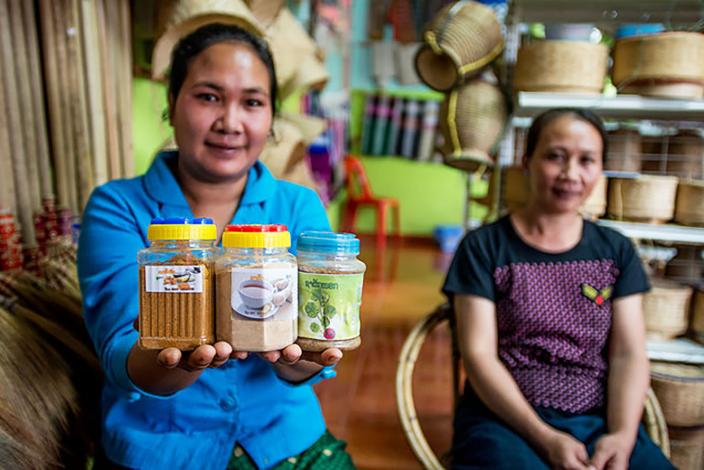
column 176, row 291
column 330, row 279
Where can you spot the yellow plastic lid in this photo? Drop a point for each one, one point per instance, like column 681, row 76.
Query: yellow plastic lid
column 256, row 236
column 182, row 228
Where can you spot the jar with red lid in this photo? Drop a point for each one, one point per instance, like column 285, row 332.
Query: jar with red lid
column 257, row 288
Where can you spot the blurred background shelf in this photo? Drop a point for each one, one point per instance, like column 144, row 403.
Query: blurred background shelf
column 667, row 232
column 676, row 350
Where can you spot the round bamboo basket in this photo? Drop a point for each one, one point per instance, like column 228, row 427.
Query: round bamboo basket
column 680, row 391
column 666, row 64
column 461, row 39
column 653, row 155
column 697, row 325
column 685, row 155
column 689, row 209
column 624, row 151
column 646, row 198
column 472, row 121
column 515, row 190
column 687, row 447
column 666, row 309
column 561, row 66
column 686, row 266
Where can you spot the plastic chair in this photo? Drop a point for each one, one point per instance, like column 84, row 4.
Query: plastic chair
column 359, row 193
column 653, row 419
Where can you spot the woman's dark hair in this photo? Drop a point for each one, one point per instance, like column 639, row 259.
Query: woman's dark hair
column 214, row 33
column 544, row 119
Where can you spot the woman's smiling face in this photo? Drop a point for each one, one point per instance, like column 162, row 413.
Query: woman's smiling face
column 222, row 115
column 566, row 164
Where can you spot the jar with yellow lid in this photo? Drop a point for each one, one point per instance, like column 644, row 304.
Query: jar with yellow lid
column 257, row 288
column 176, row 284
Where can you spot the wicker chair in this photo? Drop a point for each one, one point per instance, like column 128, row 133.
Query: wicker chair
column 653, row 418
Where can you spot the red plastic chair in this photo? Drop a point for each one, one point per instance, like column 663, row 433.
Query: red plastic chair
column 359, row 193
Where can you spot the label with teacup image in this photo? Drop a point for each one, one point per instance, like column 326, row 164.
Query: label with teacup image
column 261, row 294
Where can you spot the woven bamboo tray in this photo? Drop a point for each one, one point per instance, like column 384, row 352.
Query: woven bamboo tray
column 666, row 309
column 680, row 391
column 667, row 64
column 689, row 208
column 644, row 199
column 687, row 447
column 461, row 39
column 561, row 66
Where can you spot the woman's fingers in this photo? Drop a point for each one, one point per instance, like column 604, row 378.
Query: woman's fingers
column 223, row 350
column 329, row 357
column 169, row 357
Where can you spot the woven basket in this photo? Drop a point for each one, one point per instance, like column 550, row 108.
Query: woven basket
column 646, row 198
column 686, row 267
column 666, row 309
column 624, row 151
column 685, row 155
column 680, row 391
column 285, row 150
column 687, row 447
column 178, row 18
column 461, row 39
column 689, row 209
column 697, row 324
column 561, row 66
column 265, row 10
column 666, row 64
column 472, row 119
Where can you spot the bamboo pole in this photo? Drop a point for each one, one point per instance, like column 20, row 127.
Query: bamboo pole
column 65, row 97
column 125, row 69
column 114, row 165
column 30, row 26
column 78, row 106
column 7, row 179
column 28, row 134
column 52, row 81
column 94, row 84
column 12, row 106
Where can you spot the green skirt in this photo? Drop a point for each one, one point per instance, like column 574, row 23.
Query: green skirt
column 326, row 453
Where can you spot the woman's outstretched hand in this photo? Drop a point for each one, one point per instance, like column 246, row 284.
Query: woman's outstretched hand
column 200, row 358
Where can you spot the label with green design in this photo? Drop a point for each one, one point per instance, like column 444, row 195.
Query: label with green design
column 328, row 305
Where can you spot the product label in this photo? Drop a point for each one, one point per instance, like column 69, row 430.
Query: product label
column 264, row 293
column 329, row 305
column 176, row 278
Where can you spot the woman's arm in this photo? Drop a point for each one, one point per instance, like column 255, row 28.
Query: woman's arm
column 627, row 383
column 493, row 383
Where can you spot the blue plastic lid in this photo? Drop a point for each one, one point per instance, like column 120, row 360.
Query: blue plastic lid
column 638, row 29
column 182, row 220
column 329, row 242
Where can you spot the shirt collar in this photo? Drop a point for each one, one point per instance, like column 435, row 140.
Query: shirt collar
column 161, row 184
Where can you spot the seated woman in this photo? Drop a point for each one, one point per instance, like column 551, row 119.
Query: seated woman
column 549, row 321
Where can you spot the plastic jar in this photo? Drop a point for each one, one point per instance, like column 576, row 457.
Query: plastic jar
column 176, row 284
column 257, row 288
column 330, row 281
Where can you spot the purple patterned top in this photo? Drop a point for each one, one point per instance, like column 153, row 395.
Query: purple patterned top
column 553, row 310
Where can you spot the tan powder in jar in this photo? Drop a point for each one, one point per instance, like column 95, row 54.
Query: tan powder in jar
column 182, row 320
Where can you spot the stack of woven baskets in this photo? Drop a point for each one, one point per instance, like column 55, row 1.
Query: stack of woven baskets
column 680, row 391
column 461, row 41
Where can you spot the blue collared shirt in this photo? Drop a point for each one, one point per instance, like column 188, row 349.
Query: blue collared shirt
column 242, row 402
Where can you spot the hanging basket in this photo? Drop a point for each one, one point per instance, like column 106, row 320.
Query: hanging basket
column 178, row 18
column 689, row 209
column 472, row 119
column 461, row 39
column 666, row 64
column 624, row 151
column 561, row 66
column 666, row 309
column 680, row 391
column 645, row 199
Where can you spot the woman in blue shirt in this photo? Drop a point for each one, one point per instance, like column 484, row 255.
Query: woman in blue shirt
column 213, row 407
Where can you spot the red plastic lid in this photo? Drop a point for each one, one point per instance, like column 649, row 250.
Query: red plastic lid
column 256, row 228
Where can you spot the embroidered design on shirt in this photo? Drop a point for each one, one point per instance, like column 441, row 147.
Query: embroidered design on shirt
column 595, row 295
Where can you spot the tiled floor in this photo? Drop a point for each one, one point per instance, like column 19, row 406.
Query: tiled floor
column 401, row 286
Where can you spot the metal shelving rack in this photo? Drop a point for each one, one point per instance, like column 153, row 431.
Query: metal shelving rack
column 607, row 15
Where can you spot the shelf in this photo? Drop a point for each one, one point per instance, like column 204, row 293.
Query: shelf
column 530, row 104
column 676, row 350
column 667, row 232
column 612, row 11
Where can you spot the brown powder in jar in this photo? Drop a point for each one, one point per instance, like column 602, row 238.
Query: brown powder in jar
column 174, row 319
column 246, row 334
column 319, row 345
